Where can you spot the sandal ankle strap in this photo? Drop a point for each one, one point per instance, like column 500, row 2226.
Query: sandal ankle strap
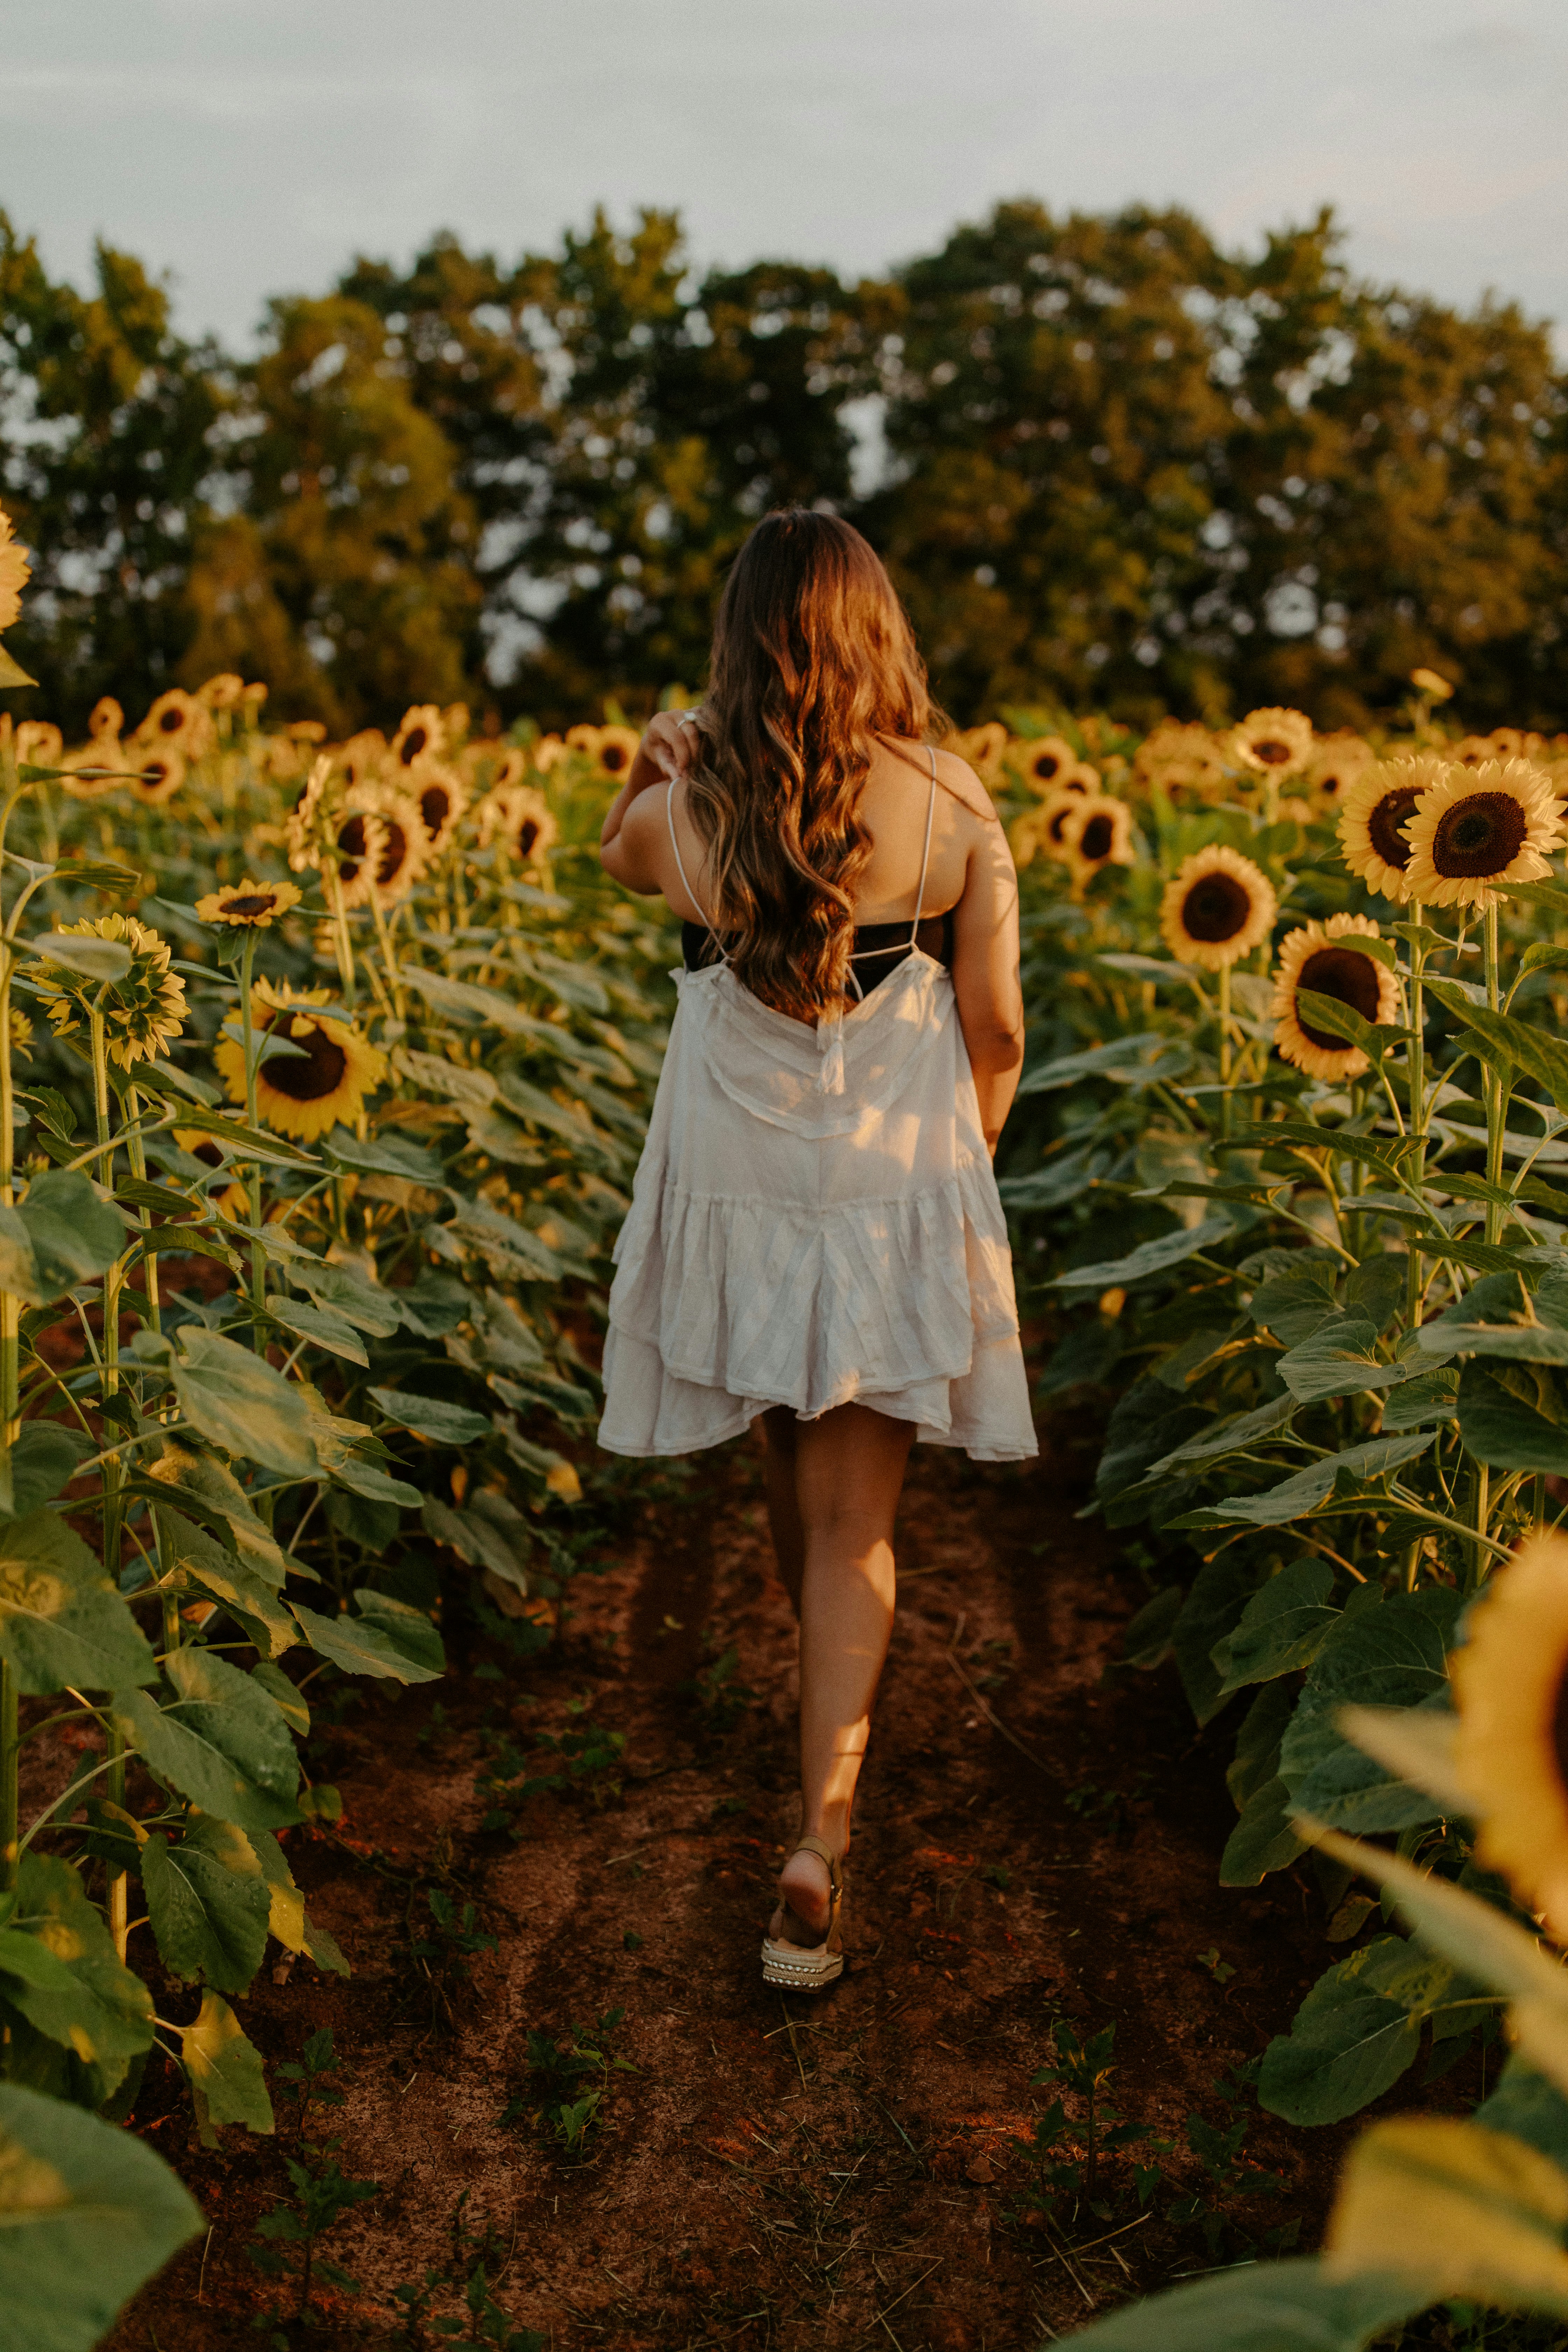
column 809, row 1843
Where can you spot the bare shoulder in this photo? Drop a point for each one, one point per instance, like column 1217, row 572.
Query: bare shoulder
column 959, row 780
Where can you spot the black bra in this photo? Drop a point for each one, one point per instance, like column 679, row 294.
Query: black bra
column 885, row 946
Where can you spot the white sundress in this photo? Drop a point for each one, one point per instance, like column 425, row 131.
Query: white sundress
column 816, row 1222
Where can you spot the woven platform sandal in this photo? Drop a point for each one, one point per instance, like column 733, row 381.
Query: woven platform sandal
column 796, row 1968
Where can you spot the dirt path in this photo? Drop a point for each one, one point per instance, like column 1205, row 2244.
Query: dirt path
column 773, row 2173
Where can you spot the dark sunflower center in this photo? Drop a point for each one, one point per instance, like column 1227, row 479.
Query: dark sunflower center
column 527, row 834
column 1482, row 834
column 393, row 856
column 1057, row 824
column 1048, row 765
column 1330, row 784
column 312, row 1072
column 435, row 805
column 414, row 742
column 1096, row 839
column 1395, row 809
column 258, row 902
column 208, row 1154
column 613, row 758
column 171, row 721
column 1271, row 752
column 1346, row 976
column 351, row 847
column 1216, row 908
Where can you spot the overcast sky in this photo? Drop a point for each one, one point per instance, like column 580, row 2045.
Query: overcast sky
column 249, row 147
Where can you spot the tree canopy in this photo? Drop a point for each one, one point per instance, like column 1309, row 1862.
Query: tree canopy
column 1119, row 467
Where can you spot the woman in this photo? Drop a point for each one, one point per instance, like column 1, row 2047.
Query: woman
column 816, row 1235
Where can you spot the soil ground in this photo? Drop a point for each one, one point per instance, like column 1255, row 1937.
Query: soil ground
column 776, row 2173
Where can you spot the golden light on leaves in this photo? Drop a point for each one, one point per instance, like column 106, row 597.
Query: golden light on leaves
column 1322, row 958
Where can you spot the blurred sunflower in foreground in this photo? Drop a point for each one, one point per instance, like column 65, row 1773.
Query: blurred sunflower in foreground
column 141, row 1012
column 1218, row 907
column 1510, row 1755
column 304, row 1094
column 1324, row 959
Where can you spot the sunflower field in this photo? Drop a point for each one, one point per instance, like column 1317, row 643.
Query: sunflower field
column 324, row 1071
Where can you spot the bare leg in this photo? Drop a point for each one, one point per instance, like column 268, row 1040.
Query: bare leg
column 848, row 1470
column 782, row 1429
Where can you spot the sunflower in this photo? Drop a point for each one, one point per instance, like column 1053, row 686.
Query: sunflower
column 1508, row 1679
column 1178, row 758
column 500, row 764
column 406, row 845
column 222, row 692
column 305, row 1094
column 39, row 743
column 141, row 1013
column 1375, row 810
column 309, row 828
column 14, row 571
column 1045, row 763
column 362, row 757
column 247, row 906
column 1218, row 909
column 518, row 817
column 1053, row 821
column 1430, row 683
column 231, row 1200
column 1276, row 742
column 1475, row 827
column 442, row 798
column 177, row 721
column 610, row 747
column 157, row 776
column 359, row 849
column 1100, row 835
column 422, row 730
column 982, row 746
column 1321, row 957
column 1336, row 764
column 106, row 723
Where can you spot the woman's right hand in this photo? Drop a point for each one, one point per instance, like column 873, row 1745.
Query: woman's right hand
column 670, row 743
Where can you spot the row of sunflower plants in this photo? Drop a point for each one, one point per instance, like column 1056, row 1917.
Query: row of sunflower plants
column 1293, row 1155
column 322, row 1073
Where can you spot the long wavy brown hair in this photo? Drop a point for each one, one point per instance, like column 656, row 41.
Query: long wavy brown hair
column 814, row 658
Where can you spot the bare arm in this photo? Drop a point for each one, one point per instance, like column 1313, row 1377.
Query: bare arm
column 666, row 749
column 985, row 966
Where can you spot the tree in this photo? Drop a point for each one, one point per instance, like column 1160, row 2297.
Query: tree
column 1138, row 471
column 104, row 414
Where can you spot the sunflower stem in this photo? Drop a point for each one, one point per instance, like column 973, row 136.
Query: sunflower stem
column 119, row 1911
column 252, row 1045
column 1482, row 1514
column 341, row 941
column 1497, row 1088
column 384, row 942
column 1416, row 1086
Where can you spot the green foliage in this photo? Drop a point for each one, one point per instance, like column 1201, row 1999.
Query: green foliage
column 87, row 2214
column 569, row 2082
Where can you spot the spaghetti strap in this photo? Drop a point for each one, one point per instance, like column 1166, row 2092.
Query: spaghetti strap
column 925, row 860
column 685, row 878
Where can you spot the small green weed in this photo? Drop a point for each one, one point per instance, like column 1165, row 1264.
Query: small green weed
column 470, row 2277
column 323, row 2193
column 721, row 1699
column 569, row 2082
column 1082, row 2070
column 588, row 1758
